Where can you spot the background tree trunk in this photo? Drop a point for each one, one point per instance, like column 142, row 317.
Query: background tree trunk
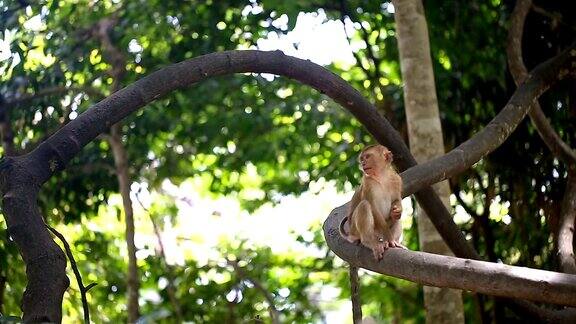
column 426, row 142
column 122, row 173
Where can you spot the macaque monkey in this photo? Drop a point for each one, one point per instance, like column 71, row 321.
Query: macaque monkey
column 376, row 207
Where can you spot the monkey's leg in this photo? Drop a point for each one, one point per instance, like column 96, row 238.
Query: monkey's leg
column 366, row 225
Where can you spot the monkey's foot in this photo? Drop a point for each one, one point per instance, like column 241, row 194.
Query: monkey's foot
column 379, row 249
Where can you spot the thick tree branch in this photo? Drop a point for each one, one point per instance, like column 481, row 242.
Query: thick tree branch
column 445, row 271
column 45, row 261
column 54, row 153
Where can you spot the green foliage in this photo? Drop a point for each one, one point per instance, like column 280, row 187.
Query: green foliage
column 257, row 140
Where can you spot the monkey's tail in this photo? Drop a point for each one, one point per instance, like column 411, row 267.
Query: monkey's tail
column 341, row 227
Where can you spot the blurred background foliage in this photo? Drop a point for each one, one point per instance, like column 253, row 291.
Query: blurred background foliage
column 212, row 157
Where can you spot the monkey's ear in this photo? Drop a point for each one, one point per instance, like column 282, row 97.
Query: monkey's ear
column 389, row 156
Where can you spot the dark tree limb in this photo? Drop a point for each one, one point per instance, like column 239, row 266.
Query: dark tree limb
column 83, row 290
column 45, row 261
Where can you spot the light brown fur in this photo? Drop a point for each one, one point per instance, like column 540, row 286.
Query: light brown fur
column 376, row 207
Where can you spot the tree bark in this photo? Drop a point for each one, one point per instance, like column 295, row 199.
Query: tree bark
column 425, row 136
column 45, row 261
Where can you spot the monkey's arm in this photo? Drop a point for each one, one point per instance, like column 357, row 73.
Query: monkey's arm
column 396, row 195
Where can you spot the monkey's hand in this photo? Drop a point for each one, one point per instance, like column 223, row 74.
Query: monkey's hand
column 396, row 211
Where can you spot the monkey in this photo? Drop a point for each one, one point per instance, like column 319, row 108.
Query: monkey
column 376, row 207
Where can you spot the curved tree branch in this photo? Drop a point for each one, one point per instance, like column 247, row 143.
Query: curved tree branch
column 444, row 271
column 83, row 289
column 54, row 153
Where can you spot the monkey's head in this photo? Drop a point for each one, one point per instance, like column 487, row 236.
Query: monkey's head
column 375, row 158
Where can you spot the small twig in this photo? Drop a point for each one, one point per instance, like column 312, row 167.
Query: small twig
column 83, row 290
column 272, row 310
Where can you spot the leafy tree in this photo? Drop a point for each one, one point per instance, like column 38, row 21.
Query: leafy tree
column 188, row 133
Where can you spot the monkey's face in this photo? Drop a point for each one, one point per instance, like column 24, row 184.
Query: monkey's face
column 372, row 160
column 375, row 158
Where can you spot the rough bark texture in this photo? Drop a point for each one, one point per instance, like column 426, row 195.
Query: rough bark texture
column 425, row 136
column 445, row 271
column 54, row 153
column 45, row 261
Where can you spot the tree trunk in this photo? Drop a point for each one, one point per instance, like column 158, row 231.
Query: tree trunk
column 121, row 162
column 425, row 134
